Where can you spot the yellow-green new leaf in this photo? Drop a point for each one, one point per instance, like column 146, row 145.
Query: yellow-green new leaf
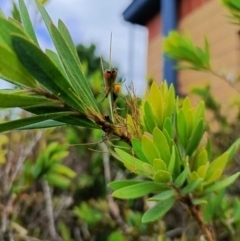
column 216, row 175
column 182, row 128
column 149, row 119
column 64, row 170
column 132, row 163
column 200, row 113
column 159, row 164
column 201, row 171
column 138, row 190
column 195, row 138
column 162, row 145
column 168, row 127
column 162, row 177
column 156, row 100
column 201, row 158
column 221, row 184
column 170, row 103
column 137, row 147
column 150, row 149
column 57, row 180
column 115, row 185
column 172, row 160
column 218, row 163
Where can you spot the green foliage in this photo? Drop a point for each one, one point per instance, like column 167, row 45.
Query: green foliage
column 234, row 8
column 48, row 167
column 58, row 78
column 182, row 48
column 166, row 147
column 88, row 55
column 88, row 214
column 166, row 152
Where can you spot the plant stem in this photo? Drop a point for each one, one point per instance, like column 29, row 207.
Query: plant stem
column 195, row 211
column 49, row 211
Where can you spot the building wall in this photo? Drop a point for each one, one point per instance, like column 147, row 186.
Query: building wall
column 154, row 61
column 199, row 18
column 210, row 20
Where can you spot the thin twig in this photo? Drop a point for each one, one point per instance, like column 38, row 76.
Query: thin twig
column 49, row 210
column 197, row 215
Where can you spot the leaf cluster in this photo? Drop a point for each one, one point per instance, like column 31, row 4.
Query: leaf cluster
column 172, row 154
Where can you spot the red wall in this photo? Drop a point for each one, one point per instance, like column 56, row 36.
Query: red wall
column 185, row 7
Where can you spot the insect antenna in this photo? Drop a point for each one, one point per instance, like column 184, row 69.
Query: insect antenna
column 110, row 52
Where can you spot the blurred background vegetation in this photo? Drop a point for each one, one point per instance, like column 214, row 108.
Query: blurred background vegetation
column 53, row 188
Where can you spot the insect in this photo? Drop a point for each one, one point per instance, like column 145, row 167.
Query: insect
column 110, row 75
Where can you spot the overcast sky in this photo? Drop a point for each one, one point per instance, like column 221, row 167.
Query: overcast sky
column 92, row 21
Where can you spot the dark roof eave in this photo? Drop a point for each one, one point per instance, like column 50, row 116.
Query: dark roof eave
column 141, row 11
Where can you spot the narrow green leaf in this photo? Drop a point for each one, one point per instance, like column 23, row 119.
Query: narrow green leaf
column 172, row 160
column 163, row 195
column 138, row 190
column 27, row 22
column 115, row 185
column 12, row 69
column 70, row 120
column 7, row 28
column 11, row 125
column 63, row 170
column 46, row 73
column 170, row 103
column 44, row 14
column 182, row 177
column 73, row 69
column 67, row 37
column 233, row 149
column 168, row 126
column 43, row 124
column 191, row 187
column 55, row 59
column 57, row 180
column 11, row 99
column 221, row 184
column 158, row 211
column 199, row 201
column 15, row 12
column 200, row 113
